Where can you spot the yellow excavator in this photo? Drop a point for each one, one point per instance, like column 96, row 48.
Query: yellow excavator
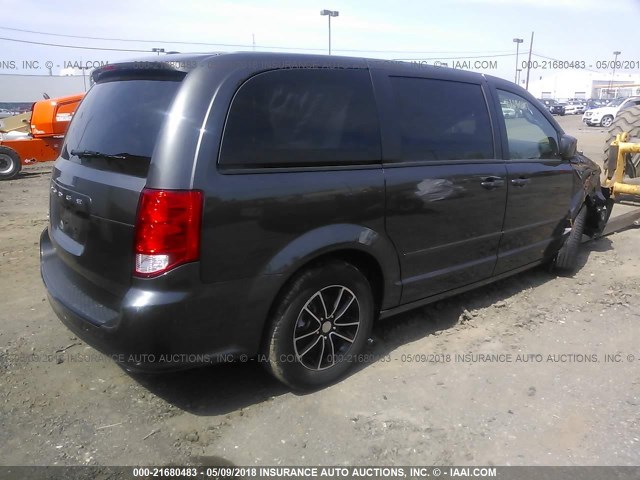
column 622, row 154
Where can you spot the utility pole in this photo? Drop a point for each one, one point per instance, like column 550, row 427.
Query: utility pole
column 529, row 62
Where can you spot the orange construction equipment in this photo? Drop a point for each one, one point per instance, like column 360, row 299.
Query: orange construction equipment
column 43, row 142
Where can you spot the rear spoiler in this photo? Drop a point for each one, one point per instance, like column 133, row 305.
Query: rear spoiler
column 137, row 70
column 166, row 66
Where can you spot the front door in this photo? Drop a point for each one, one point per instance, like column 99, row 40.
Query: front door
column 539, row 184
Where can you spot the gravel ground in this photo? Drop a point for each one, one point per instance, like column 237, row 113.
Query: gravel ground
column 533, row 370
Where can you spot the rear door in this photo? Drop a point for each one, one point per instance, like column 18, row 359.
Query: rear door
column 445, row 187
column 94, row 197
column 539, row 183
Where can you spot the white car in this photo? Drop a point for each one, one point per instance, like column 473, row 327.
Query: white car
column 604, row 116
column 574, row 108
column 508, row 112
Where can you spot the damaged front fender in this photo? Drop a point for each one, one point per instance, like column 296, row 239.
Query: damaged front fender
column 589, row 192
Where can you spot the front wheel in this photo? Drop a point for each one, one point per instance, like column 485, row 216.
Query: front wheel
column 10, row 164
column 607, row 121
column 567, row 257
column 320, row 326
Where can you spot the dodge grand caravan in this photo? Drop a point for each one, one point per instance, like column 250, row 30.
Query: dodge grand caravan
column 273, row 206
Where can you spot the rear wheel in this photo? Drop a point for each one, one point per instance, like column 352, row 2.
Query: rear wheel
column 320, row 325
column 9, row 163
column 628, row 121
column 567, row 257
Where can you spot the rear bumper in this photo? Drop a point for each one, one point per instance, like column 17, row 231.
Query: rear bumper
column 166, row 323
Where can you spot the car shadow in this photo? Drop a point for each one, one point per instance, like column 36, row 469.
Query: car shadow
column 599, row 244
column 214, row 390
column 221, row 389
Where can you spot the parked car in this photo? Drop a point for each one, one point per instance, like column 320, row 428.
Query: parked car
column 547, row 102
column 604, row 116
column 508, row 112
column 574, row 108
column 595, row 103
column 273, row 206
column 558, row 109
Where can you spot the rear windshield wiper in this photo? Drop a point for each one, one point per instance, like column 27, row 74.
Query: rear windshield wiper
column 94, row 154
column 106, row 156
column 128, row 163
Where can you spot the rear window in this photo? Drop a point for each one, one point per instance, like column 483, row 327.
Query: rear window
column 120, row 117
column 303, row 117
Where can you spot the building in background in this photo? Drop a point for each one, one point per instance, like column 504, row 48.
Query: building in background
column 30, row 88
column 584, row 84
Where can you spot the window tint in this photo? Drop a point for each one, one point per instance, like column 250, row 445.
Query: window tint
column 442, row 120
column 530, row 134
column 120, row 117
column 302, row 117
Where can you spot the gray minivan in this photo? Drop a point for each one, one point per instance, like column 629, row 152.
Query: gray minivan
column 273, row 206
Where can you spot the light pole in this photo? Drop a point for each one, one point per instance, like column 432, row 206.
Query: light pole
column 329, row 14
column 158, row 50
column 517, row 41
column 615, row 60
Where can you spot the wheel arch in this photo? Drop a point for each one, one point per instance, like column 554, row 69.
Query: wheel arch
column 372, row 253
column 356, row 244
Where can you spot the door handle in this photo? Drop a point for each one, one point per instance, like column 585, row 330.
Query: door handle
column 520, row 182
column 492, row 182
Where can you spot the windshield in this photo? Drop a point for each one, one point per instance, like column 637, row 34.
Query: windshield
column 616, row 102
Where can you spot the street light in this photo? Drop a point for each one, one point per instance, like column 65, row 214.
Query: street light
column 615, row 60
column 517, row 41
column 329, row 14
column 158, row 50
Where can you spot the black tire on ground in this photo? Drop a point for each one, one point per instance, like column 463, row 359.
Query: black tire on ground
column 319, row 326
column 628, row 120
column 567, row 257
column 10, row 165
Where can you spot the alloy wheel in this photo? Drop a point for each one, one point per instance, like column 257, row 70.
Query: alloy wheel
column 326, row 327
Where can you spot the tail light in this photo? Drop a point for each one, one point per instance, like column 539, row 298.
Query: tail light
column 167, row 232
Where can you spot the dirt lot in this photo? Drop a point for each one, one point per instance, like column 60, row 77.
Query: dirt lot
column 552, row 398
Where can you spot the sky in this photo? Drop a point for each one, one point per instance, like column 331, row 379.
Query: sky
column 451, row 31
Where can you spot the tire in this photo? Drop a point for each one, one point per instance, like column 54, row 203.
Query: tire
column 567, row 257
column 10, row 165
column 606, row 121
column 628, row 120
column 302, row 331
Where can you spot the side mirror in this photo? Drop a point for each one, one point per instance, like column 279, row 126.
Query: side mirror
column 568, row 147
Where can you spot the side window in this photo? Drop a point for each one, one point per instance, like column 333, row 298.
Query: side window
column 442, row 120
column 302, row 117
column 529, row 133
